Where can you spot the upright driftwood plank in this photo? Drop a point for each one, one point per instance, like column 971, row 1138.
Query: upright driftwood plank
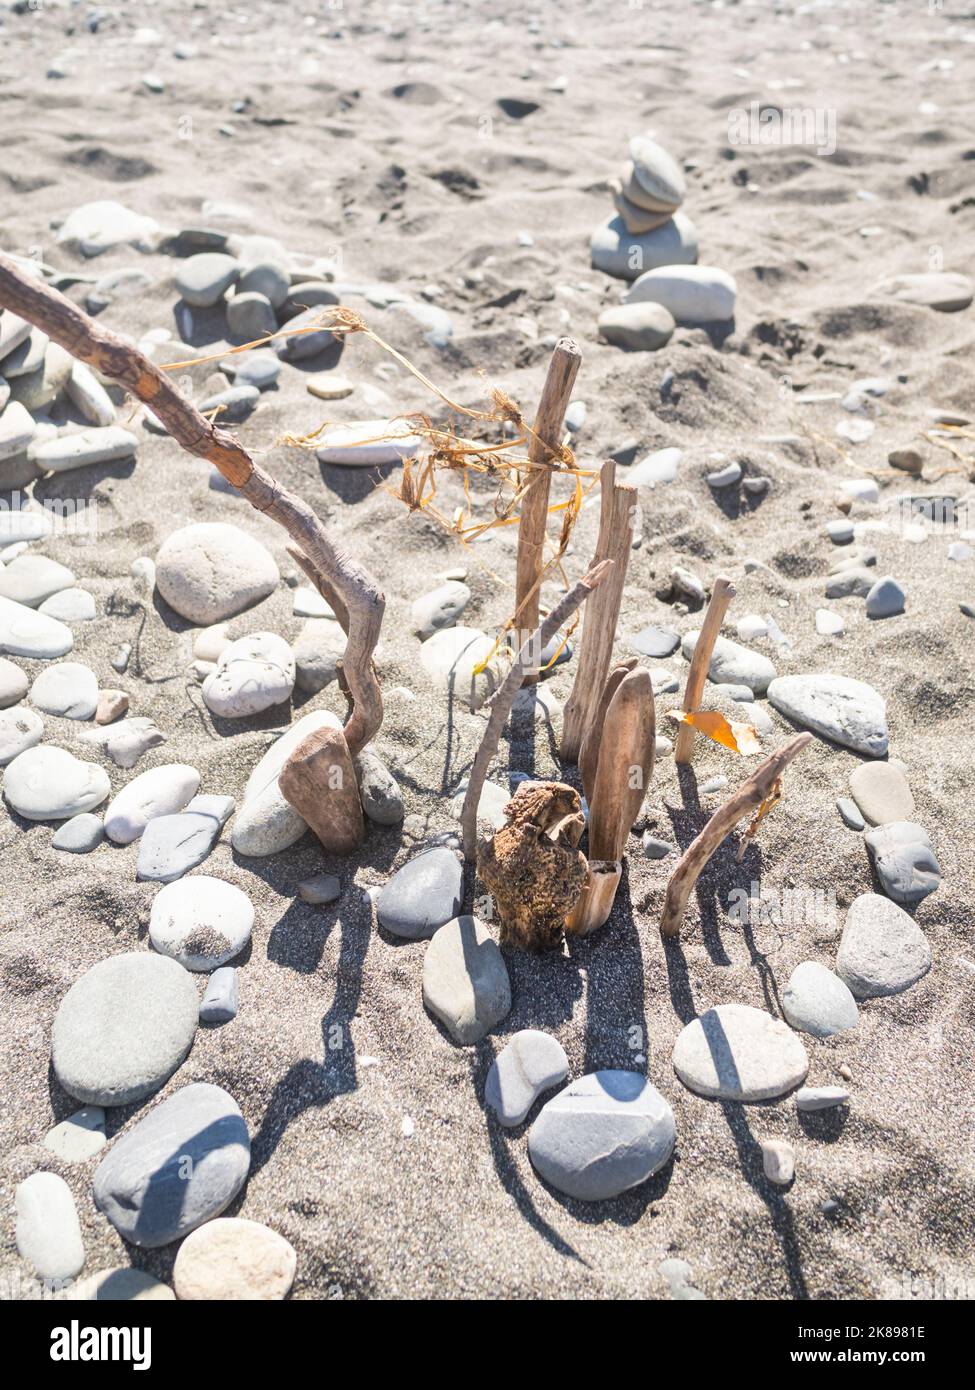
column 625, row 766
column 721, row 596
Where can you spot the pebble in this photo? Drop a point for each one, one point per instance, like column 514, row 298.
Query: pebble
column 171, row 845
column 855, row 431
column 367, row 443
column 13, row 683
column 724, row 477
column 126, row 741
column 69, row 606
column 818, row 1002
column 423, row 895
column 840, row 531
column 318, row 652
column 267, row 278
column 68, row 451
column 78, row 1137
column 320, row 890
column 850, row 812
column 112, row 704
column 89, row 396
column 175, row 1168
column 328, row 386
column 654, row 848
column 299, row 344
column 493, row 800
column 904, row 860
column 252, row 674
column 67, row 689
column 855, row 583
column 605, row 1133
column 655, row 642
column 663, row 681
column 751, row 627
column 882, row 793
column 202, row 922
column 231, row 405
column 828, row 624
column 691, row 293
column 637, row 327
column 382, row 799
column 440, row 608
column 756, row 486
column 30, row 579
column 20, row 729
column 220, row 1002
column 732, row 664
column 735, row 1052
column 47, row 783
column 778, row 1161
column 944, row 290
column 907, row 460
column 307, row 603
column 123, row 1028
column 121, row 1285
column 211, row 571
column 659, row 467
column 618, row 252
column 159, row 792
column 48, row 1231
column 658, row 178
column 812, row 1098
column 885, row 599
column 232, row 1259
column 79, row 835
column 202, row 280
column 97, row 227
column 847, row 711
column 16, row 430
column 882, row 949
column 250, row 317
column 449, row 658
column 120, row 658
column 532, row 1062
column 960, row 551
column 265, row 822
column 259, row 368
column 465, row 980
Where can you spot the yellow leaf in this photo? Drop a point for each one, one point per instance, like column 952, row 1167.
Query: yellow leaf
column 742, row 738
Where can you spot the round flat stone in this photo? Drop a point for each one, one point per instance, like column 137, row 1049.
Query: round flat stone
column 882, row 949
column 123, row 1028
column 79, row 835
column 159, row 792
column 818, row 1002
column 258, row 368
column 637, row 327
column 421, row 896
column 20, row 728
column 13, row 683
column 46, row 783
column 211, row 570
column 172, row 845
column 48, row 1230
column 175, row 1168
column 70, row 606
column 735, row 1052
column 691, row 293
column 531, row 1063
column 605, row 1133
column 121, row 1285
column 202, row 279
column 657, row 173
column 253, row 674
column 26, row 633
column 201, row 921
column 465, row 980
column 231, row 1259
column 68, row 689
column 881, row 792
column 657, row 642
column 849, row 712
column 79, row 1136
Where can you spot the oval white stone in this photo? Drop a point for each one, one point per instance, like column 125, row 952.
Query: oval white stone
column 159, row 792
column 692, row 293
column 201, row 921
column 735, row 1052
column 47, row 783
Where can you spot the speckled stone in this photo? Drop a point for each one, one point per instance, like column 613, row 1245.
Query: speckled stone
column 202, row 922
column 20, row 728
column 230, row 1260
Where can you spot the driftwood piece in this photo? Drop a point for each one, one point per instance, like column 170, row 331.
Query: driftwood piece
column 504, row 697
column 721, row 596
column 589, row 753
column 533, row 519
column 353, row 593
column 617, row 502
column 597, row 897
column 625, row 766
column 749, row 795
column 531, row 866
column 319, row 781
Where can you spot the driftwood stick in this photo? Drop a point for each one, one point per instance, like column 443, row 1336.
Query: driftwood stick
column 617, row 502
column 505, row 695
column 749, row 795
column 533, row 521
column 625, row 766
column 589, row 753
column 334, row 571
column 721, row 596
column 319, row 781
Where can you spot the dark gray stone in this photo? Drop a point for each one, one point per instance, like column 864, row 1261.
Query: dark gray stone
column 850, row 812
column 655, row 642
column 234, row 404
column 382, row 800
column 220, row 1000
column 79, row 835
column 422, row 895
column 904, row 860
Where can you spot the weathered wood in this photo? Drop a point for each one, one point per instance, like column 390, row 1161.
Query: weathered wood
column 625, row 765
column 596, row 900
column 351, row 590
column 616, row 510
column 721, row 596
column 319, row 781
column 545, row 438
column 749, row 796
column 504, row 697
column 589, row 753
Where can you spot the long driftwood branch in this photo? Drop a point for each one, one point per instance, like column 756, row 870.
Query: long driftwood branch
column 336, row 574
column 749, row 795
column 721, row 596
column 505, row 696
column 545, row 439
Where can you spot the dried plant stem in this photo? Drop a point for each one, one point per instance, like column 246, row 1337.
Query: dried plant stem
column 504, row 698
column 544, row 442
column 616, row 506
column 334, row 572
column 749, row 795
column 721, row 596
